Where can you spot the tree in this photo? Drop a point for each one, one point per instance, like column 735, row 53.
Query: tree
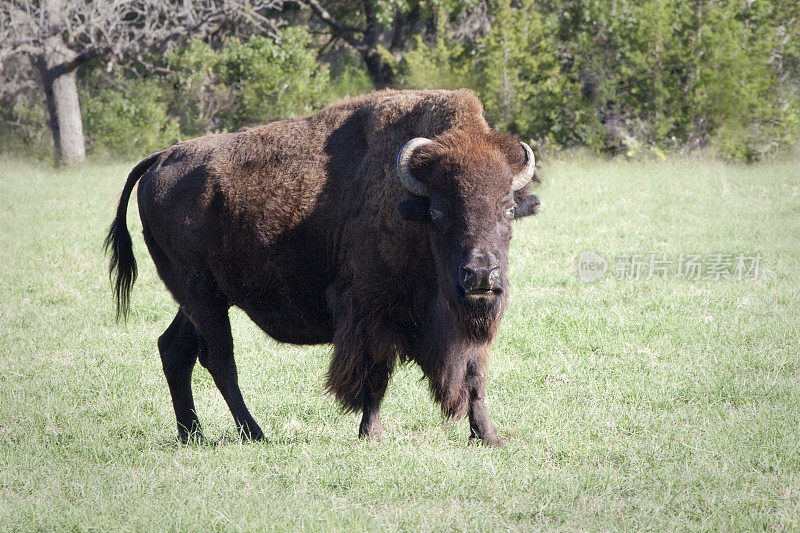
column 246, row 82
column 517, row 72
column 363, row 26
column 59, row 36
column 380, row 30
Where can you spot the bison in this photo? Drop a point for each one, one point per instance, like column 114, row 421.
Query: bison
column 380, row 224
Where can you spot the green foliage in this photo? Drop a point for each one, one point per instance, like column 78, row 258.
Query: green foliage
column 246, row 83
column 350, row 80
column 441, row 66
column 675, row 74
column 128, row 118
column 277, row 78
column 517, row 73
column 198, row 96
column 632, row 77
column 629, row 77
column 23, row 129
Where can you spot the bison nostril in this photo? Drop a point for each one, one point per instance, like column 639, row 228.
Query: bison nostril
column 479, row 279
column 480, row 273
column 467, row 277
column 494, row 275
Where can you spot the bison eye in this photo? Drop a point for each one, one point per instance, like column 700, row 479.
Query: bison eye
column 510, row 212
column 435, row 214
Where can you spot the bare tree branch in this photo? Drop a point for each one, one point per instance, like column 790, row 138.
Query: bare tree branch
column 58, row 36
column 338, row 30
column 327, row 18
column 82, row 30
column 367, row 39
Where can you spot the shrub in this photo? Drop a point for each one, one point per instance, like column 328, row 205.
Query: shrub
column 246, row 82
column 128, row 118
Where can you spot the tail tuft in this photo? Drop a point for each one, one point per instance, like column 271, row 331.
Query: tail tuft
column 122, row 268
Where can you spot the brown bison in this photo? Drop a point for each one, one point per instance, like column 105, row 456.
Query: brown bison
column 380, row 224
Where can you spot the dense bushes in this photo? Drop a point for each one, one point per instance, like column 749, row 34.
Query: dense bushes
column 244, row 83
column 203, row 90
column 128, row 119
column 623, row 76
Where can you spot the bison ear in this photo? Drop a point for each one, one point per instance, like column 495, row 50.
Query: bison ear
column 414, row 208
column 527, row 204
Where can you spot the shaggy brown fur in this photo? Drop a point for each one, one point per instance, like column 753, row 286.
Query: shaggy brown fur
column 305, row 225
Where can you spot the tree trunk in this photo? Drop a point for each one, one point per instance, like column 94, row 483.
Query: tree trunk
column 378, row 70
column 58, row 68
column 382, row 74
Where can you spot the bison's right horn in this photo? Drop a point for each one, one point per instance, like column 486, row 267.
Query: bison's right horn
column 404, row 172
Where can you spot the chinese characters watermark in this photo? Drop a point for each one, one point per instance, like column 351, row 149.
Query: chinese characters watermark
column 717, row 266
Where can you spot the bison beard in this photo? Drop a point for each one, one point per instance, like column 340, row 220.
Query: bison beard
column 455, row 344
column 381, row 224
column 480, row 317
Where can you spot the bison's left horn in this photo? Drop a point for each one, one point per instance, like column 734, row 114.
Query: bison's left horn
column 522, row 179
column 404, row 172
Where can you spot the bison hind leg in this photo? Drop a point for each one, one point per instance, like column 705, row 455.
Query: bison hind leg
column 179, row 347
column 216, row 355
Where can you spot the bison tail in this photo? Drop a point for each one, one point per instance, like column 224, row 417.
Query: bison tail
column 122, row 267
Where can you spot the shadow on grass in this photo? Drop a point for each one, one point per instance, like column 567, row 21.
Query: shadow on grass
column 229, row 439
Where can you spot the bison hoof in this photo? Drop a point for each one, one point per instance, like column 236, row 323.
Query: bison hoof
column 254, row 436
column 494, row 441
column 250, row 431
column 371, row 433
column 194, row 438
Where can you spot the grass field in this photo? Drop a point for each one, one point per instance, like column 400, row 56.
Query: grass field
column 626, row 404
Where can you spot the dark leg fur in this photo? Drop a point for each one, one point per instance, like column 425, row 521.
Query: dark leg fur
column 374, row 389
column 179, row 347
column 206, row 309
column 480, row 424
column 214, row 327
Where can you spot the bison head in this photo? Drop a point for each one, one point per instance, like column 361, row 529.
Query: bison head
column 467, row 189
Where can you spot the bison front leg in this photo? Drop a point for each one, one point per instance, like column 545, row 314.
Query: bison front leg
column 480, row 424
column 361, row 366
column 374, row 388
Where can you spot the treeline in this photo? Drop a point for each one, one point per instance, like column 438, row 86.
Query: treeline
column 635, row 77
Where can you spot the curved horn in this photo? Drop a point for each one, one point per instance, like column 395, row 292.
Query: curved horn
column 522, row 179
column 403, row 159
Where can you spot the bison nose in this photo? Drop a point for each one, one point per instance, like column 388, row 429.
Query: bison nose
column 480, row 276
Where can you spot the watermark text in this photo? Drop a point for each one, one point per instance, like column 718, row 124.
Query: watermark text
column 717, row 266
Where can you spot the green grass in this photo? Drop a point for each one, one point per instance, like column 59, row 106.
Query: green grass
column 660, row 404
